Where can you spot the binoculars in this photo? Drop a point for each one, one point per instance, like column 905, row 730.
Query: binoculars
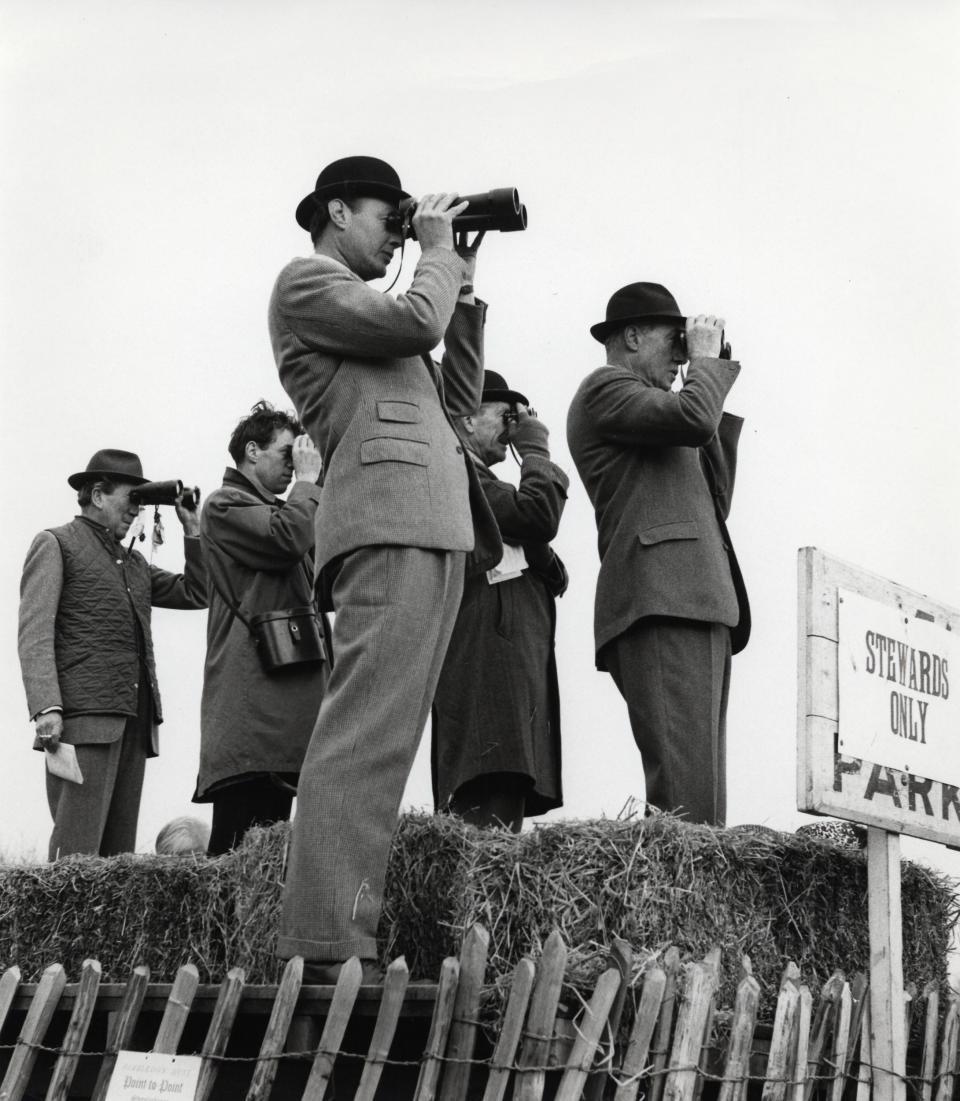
column 498, row 209
column 165, row 493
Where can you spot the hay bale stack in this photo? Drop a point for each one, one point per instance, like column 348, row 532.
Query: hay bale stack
column 654, row 882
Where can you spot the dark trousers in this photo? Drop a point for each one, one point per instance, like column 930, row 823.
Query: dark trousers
column 675, row 676
column 259, row 801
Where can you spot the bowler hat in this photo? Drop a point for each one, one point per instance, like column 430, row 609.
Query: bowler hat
column 352, row 177
column 121, row 466
column 637, row 302
column 495, row 389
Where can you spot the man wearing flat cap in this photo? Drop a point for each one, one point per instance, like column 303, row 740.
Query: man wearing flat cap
column 658, row 464
column 86, row 654
column 496, row 715
column 401, row 513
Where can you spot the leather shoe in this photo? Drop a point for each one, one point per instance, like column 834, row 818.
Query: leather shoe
column 316, row 973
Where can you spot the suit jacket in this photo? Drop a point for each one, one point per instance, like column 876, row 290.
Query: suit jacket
column 641, row 453
column 356, row 364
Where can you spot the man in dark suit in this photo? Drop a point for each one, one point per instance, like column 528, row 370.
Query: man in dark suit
column 659, row 465
column 86, row 653
column 400, row 510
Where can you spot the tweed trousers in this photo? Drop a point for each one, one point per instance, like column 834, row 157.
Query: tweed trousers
column 675, row 676
column 395, row 610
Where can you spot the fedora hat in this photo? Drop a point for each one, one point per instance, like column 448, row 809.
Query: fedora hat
column 495, row 388
column 352, row 177
column 120, row 466
column 637, row 302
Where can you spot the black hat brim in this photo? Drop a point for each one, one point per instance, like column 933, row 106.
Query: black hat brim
column 360, row 189
column 511, row 397
column 75, row 481
column 603, row 329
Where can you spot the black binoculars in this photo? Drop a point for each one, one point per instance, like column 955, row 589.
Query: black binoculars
column 498, row 209
column 165, row 493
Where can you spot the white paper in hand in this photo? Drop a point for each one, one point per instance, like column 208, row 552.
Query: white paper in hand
column 62, row 762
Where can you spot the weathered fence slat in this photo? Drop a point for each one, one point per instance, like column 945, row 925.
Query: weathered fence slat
column 218, row 1034
column 688, row 1040
column 66, row 1065
column 501, row 1063
column 821, row 1029
column 177, row 1010
column 931, row 993
column 42, row 1007
column 338, row 1017
column 394, row 988
column 122, row 1024
column 277, row 1027
column 463, row 1028
column 9, row 982
column 784, row 1030
column 540, row 1020
column 865, row 1072
column 711, row 960
column 859, row 995
column 841, row 1039
column 439, row 1030
column 661, row 1041
column 737, row 1067
column 947, row 1069
column 804, row 1015
column 638, row 1048
column 595, row 1016
column 621, row 957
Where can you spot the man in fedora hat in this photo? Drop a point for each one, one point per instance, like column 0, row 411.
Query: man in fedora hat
column 496, row 714
column 658, row 464
column 400, row 511
column 86, row 653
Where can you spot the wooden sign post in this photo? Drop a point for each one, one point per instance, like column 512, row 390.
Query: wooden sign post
column 877, row 729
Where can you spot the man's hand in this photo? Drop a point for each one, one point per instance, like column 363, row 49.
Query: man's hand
column 529, row 435
column 49, row 728
column 189, row 517
column 433, row 220
column 469, row 253
column 307, row 463
column 704, row 336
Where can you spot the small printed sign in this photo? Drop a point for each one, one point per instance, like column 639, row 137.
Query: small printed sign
column 897, row 708
column 147, row 1076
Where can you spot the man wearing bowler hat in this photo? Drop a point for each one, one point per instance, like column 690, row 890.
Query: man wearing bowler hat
column 401, row 514
column 658, row 464
column 86, row 654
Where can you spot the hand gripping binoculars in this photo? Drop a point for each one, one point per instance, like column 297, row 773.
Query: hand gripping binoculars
column 165, row 493
column 498, row 209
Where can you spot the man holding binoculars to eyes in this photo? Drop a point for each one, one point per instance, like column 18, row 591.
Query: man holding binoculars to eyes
column 86, row 652
column 401, row 514
column 659, row 466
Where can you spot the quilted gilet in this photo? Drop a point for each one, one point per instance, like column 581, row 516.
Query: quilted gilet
column 103, row 623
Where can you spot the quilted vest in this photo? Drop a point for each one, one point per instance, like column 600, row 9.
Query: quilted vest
column 103, row 623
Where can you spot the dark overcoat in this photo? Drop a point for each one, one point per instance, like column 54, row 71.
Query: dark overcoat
column 497, row 706
column 258, row 550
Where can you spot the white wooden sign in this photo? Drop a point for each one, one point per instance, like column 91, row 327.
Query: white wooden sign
column 149, row 1076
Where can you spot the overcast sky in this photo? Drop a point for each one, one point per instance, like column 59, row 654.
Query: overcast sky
column 792, row 167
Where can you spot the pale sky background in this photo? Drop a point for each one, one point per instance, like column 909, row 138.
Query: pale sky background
column 793, row 167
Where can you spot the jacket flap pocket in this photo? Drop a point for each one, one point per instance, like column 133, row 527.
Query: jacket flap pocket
column 385, row 449
column 404, row 412
column 661, row 533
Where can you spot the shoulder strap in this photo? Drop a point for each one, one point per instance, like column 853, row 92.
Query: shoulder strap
column 227, row 598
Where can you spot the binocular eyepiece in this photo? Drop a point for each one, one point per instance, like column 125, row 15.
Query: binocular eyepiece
column 499, row 209
column 166, row 493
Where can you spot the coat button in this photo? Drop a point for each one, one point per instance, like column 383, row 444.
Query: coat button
column 459, row 450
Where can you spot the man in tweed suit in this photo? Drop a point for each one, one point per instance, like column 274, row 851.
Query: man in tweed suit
column 400, row 512
column 670, row 607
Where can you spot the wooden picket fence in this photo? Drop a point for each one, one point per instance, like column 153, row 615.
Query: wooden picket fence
column 679, row 1047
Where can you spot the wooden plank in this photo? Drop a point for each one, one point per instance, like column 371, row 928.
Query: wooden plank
column 841, row 1041
column 72, row 1045
column 9, row 982
column 501, row 1063
column 41, row 1010
column 711, row 960
column 439, row 1031
column 888, row 1041
column 865, row 1070
column 804, row 1014
column 781, row 1039
column 736, row 1069
column 931, row 994
column 394, row 989
column 218, row 1032
column 531, row 1077
column 620, row 957
column 638, row 1048
column 661, row 1040
column 348, row 984
column 277, row 1027
column 859, row 991
column 692, row 1016
column 463, row 1028
column 178, row 1009
column 590, row 1028
column 947, row 1070
column 826, row 1010
column 122, row 1024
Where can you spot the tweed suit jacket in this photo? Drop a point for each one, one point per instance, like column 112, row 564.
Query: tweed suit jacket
column 356, row 363
column 640, row 452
